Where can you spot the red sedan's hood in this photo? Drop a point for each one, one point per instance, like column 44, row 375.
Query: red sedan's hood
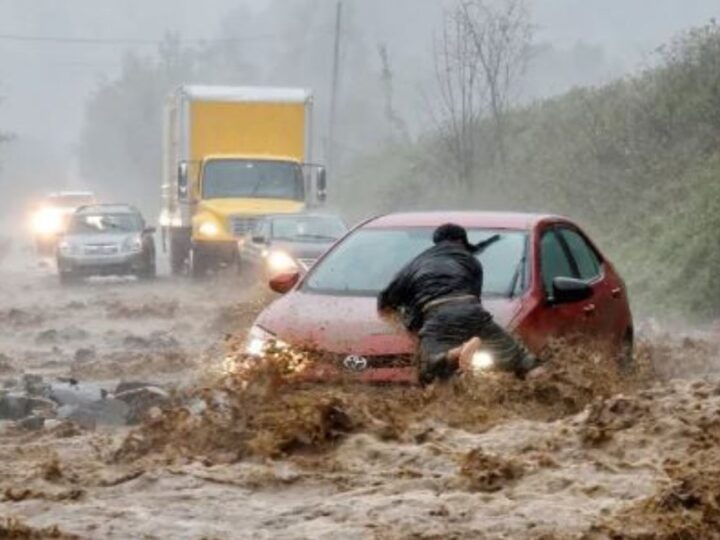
column 349, row 324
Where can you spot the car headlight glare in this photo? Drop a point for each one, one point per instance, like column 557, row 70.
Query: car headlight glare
column 259, row 340
column 209, row 228
column 482, row 361
column 67, row 248
column 47, row 221
column 279, row 261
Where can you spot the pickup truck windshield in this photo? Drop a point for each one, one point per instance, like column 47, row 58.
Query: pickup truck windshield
column 234, row 178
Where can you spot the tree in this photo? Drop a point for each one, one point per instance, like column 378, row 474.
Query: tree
column 501, row 35
column 460, row 97
column 480, row 60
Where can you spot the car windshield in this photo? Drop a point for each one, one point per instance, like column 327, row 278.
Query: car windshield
column 365, row 262
column 307, row 228
column 228, row 178
column 104, row 223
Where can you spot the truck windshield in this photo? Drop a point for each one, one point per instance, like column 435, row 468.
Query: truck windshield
column 230, row 178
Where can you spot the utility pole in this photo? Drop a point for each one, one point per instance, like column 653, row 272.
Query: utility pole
column 334, row 89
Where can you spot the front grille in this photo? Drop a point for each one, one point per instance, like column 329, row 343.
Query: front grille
column 382, row 361
column 101, row 249
column 242, row 225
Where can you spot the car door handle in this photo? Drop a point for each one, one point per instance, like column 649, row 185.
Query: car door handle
column 589, row 309
column 616, row 292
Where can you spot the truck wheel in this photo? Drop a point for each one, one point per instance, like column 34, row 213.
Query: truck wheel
column 198, row 264
column 179, row 253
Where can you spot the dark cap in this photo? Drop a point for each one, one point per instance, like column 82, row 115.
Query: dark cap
column 450, row 232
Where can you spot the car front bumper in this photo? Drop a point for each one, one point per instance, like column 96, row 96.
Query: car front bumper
column 123, row 263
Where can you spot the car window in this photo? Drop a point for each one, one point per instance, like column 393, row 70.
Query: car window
column 587, row 261
column 553, row 260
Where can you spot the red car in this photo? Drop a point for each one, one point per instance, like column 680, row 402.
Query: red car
column 543, row 279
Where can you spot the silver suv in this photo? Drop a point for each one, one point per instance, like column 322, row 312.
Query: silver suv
column 106, row 239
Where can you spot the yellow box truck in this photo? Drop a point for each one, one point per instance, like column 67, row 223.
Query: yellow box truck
column 231, row 155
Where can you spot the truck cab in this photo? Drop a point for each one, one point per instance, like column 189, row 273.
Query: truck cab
column 232, row 156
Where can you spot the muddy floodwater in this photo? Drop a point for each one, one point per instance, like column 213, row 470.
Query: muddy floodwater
column 122, row 416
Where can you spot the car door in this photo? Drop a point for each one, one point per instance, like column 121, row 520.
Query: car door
column 253, row 250
column 558, row 320
column 601, row 307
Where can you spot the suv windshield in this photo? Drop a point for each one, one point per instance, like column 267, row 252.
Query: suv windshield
column 228, row 178
column 104, row 223
column 307, row 228
column 365, row 262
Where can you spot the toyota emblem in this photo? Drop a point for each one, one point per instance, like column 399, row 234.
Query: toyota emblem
column 355, row 362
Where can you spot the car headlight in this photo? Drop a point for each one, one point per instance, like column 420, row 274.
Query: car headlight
column 279, row 261
column 209, row 228
column 68, row 248
column 482, row 361
column 258, row 340
column 132, row 244
column 47, row 221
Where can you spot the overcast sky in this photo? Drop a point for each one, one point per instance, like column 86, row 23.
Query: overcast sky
column 44, row 84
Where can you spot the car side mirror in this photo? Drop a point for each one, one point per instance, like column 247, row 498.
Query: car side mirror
column 182, row 180
column 568, row 290
column 282, row 283
column 149, row 230
column 321, row 184
column 259, row 239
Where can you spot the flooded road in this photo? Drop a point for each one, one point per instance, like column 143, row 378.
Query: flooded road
column 139, row 432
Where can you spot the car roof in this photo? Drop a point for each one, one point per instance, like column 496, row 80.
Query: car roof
column 108, row 209
column 481, row 219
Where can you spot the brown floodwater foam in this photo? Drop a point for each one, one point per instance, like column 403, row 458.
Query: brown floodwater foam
column 260, row 411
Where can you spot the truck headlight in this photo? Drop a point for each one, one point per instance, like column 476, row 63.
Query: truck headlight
column 47, row 221
column 279, row 261
column 482, row 361
column 208, row 228
column 258, row 339
column 132, row 244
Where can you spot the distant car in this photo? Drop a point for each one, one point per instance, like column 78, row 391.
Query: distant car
column 51, row 216
column 106, row 239
column 284, row 243
column 544, row 278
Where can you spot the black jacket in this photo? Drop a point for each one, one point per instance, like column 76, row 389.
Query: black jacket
column 445, row 269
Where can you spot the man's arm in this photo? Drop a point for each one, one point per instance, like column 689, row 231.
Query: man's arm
column 395, row 294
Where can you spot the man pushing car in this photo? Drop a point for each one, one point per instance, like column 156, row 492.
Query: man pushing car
column 437, row 296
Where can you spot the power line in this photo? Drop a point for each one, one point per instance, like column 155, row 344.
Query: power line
column 128, row 41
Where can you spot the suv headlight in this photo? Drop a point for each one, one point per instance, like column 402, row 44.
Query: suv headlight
column 66, row 247
column 132, row 244
column 258, row 340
